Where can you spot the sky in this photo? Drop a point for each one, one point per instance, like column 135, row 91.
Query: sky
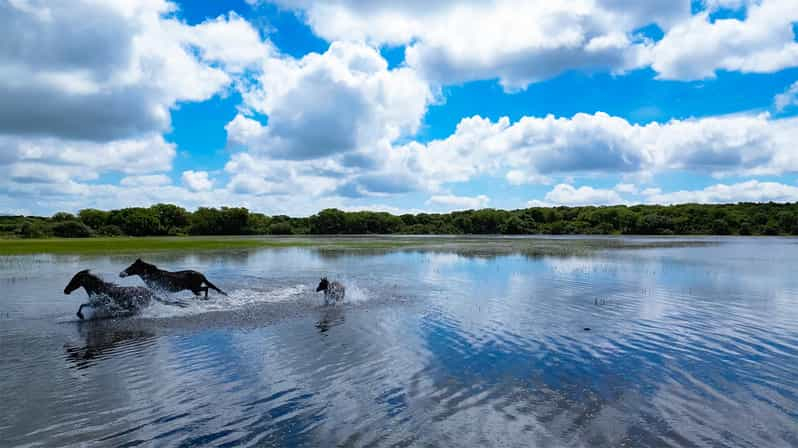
column 293, row 106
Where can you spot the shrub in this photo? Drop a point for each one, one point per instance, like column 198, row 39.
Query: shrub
column 110, row 230
column 71, row 229
column 30, row 229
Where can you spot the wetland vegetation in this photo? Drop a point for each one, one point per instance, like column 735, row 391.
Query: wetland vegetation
column 171, row 220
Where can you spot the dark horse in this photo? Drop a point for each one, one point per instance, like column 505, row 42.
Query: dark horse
column 108, row 299
column 333, row 291
column 170, row 281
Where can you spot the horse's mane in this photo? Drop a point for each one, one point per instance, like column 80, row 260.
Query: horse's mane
column 94, row 278
column 147, row 265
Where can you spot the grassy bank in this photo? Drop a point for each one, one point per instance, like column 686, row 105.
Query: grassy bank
column 152, row 244
column 479, row 245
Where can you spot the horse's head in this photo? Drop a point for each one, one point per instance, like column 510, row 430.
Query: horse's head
column 77, row 281
column 137, row 268
column 323, row 284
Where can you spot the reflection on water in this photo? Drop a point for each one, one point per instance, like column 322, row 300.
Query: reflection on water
column 100, row 340
column 330, row 317
column 690, row 345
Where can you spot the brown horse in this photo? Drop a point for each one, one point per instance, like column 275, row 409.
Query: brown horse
column 167, row 281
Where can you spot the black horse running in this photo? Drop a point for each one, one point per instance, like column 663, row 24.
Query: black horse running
column 108, row 299
column 170, row 281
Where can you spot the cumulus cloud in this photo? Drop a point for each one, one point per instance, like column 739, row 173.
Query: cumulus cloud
column 516, row 41
column 256, row 176
column 88, row 87
column 118, row 70
column 749, row 191
column 197, row 180
column 564, row 194
column 535, row 149
column 459, row 202
column 338, row 102
column 763, row 42
column 520, row 42
column 339, row 125
column 56, row 158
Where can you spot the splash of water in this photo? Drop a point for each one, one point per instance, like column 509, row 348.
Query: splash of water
column 236, row 300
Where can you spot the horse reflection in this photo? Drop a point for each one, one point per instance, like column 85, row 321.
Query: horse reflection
column 330, row 317
column 100, row 340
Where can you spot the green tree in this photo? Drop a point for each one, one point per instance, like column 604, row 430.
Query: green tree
column 93, row 218
column 171, row 217
column 329, row 221
column 136, row 221
column 280, row 228
column 63, row 216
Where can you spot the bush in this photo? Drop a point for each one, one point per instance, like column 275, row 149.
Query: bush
column 31, row 229
column 110, row 230
column 72, row 229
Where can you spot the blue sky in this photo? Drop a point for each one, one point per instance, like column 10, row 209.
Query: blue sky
column 292, row 106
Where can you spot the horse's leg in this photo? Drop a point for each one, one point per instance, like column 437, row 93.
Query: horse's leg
column 80, row 310
column 206, row 291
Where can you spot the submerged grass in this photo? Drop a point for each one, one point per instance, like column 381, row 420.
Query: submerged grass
column 475, row 246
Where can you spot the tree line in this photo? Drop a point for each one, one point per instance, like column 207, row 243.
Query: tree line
column 168, row 219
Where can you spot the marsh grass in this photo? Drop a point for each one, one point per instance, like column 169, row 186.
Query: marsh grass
column 474, row 246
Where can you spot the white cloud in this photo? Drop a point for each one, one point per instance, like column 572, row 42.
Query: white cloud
column 764, row 42
column 626, row 188
column 651, row 191
column 255, row 176
column 459, row 202
column 342, row 101
column 520, row 177
column 564, row 194
column 788, row 98
column 57, row 158
column 339, row 125
column 750, row 191
column 538, row 148
column 517, row 41
column 520, row 42
column 117, row 72
column 150, row 180
column 231, row 40
column 96, row 99
column 197, row 180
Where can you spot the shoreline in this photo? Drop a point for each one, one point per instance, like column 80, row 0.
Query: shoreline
column 529, row 244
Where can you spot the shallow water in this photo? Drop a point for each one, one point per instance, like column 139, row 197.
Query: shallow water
column 691, row 345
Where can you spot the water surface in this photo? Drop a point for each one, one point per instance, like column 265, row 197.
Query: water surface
column 690, row 343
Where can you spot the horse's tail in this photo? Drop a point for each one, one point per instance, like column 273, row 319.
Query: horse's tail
column 212, row 286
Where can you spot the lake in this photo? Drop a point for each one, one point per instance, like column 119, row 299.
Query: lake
column 634, row 342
